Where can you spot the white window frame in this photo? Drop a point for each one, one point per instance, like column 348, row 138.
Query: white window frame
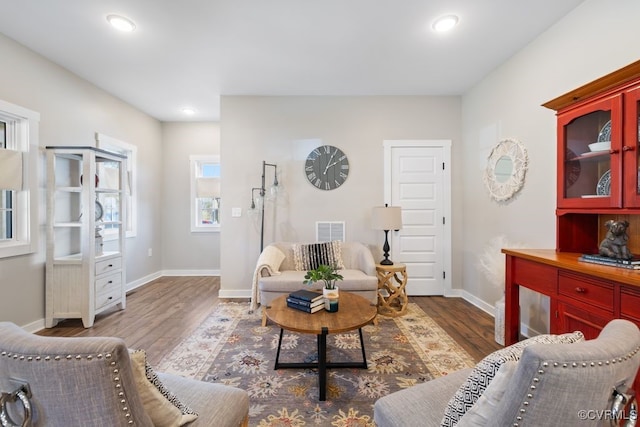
column 114, row 145
column 23, row 137
column 194, row 170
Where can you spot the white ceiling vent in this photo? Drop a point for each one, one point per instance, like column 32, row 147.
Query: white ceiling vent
column 327, row 231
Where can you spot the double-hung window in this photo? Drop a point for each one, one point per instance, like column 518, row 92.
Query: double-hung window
column 18, row 180
column 205, row 193
column 7, row 217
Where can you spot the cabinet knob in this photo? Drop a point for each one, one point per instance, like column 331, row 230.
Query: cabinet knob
column 581, row 290
column 628, row 148
column 614, row 151
column 110, row 265
column 110, row 298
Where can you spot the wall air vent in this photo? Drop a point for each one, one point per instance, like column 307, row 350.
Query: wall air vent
column 327, row 231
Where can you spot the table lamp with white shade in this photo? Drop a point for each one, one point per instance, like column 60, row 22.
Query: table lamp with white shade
column 386, row 218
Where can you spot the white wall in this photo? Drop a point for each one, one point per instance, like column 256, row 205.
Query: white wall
column 185, row 252
column 71, row 111
column 595, row 39
column 283, row 130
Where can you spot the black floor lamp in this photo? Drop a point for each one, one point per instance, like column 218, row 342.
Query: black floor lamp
column 386, row 218
column 262, row 191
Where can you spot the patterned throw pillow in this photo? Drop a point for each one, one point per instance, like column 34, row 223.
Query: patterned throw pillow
column 311, row 256
column 486, row 370
column 162, row 406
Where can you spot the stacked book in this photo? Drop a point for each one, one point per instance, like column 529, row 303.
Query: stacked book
column 306, row 300
column 633, row 264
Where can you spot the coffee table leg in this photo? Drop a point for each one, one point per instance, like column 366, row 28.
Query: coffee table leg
column 322, row 363
column 364, row 356
column 277, row 364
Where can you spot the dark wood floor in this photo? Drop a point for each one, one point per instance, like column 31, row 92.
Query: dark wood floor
column 161, row 313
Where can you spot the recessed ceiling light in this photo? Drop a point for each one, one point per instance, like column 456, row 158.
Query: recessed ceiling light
column 445, row 23
column 121, row 23
column 188, row 111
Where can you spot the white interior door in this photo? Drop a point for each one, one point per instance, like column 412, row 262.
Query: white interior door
column 417, row 179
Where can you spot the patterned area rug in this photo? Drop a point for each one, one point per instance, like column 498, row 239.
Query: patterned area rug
column 231, row 347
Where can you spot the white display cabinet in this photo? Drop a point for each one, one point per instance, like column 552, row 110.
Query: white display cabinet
column 85, row 270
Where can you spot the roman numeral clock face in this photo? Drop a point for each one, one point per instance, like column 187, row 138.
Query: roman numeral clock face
column 327, row 167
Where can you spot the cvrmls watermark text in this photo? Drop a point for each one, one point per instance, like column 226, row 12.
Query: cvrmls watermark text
column 606, row 414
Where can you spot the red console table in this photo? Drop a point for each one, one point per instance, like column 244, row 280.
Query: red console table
column 582, row 296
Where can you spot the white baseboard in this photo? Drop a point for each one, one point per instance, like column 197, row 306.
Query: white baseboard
column 482, row 305
column 525, row 330
column 33, row 327
column 142, row 281
column 528, row 332
column 190, row 273
column 234, row 293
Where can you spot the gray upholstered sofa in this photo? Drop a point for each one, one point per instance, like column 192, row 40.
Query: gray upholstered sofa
column 91, row 381
column 359, row 273
column 550, row 385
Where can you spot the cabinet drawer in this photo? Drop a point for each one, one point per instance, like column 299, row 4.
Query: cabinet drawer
column 630, row 304
column 588, row 291
column 111, row 296
column 105, row 284
column 575, row 319
column 535, row 276
column 108, row 265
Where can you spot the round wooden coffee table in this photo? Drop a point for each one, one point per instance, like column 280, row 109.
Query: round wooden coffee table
column 354, row 312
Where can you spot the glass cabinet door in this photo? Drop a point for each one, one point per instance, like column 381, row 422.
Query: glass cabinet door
column 589, row 157
column 630, row 148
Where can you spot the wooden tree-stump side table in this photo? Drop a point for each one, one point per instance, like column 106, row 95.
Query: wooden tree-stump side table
column 392, row 295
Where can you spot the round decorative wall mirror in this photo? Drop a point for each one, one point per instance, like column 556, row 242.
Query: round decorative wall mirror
column 506, row 168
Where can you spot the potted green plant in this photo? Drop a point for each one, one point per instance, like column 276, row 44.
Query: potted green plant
column 329, row 275
column 325, row 273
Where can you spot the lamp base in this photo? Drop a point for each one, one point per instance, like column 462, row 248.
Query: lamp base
column 385, row 249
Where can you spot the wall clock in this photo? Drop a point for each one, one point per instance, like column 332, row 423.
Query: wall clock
column 326, row 167
column 99, row 210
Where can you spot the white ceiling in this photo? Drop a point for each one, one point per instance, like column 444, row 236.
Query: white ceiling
column 189, row 52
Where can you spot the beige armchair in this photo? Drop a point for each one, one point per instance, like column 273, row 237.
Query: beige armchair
column 92, row 382
column 581, row 383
